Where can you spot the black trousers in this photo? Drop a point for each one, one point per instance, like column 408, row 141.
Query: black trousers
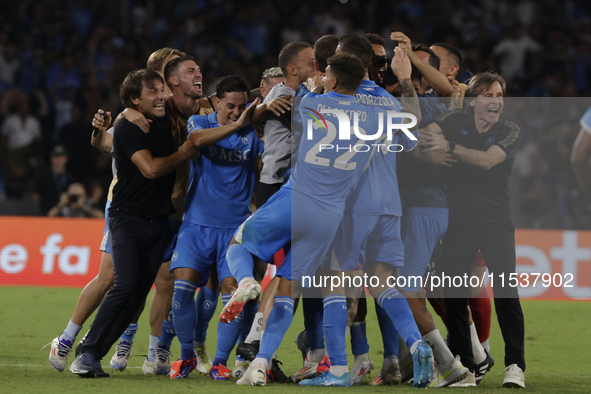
column 137, row 246
column 497, row 244
column 265, row 191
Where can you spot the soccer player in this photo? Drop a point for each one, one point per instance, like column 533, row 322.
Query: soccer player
column 479, row 214
column 138, row 220
column 222, row 174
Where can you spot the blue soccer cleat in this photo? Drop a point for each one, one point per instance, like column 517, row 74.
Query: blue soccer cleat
column 327, row 379
column 422, row 360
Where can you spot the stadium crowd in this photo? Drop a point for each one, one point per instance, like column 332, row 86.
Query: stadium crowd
column 60, row 61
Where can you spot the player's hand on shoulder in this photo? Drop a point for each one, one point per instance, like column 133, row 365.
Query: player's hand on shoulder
column 279, row 105
column 137, row 118
column 101, row 122
column 440, row 158
column 245, row 119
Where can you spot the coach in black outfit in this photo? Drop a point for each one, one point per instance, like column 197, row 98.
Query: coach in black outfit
column 138, row 217
column 479, row 217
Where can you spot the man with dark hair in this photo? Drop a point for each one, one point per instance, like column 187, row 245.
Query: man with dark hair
column 222, row 175
column 479, row 216
column 324, row 48
column 379, row 61
column 138, row 217
column 450, row 58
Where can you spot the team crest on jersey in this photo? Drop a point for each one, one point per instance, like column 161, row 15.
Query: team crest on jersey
column 463, row 132
column 489, row 141
column 246, row 139
column 212, row 150
column 208, row 305
column 175, row 256
column 191, row 126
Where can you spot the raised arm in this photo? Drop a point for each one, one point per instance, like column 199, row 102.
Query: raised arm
column 99, row 138
column 155, row 167
column 402, row 68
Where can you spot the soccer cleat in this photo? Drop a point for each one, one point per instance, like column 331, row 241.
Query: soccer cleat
column 220, row 372
column 422, row 359
column 514, row 378
column 378, row 380
column 148, row 367
column 302, row 344
column 388, row 376
column 81, row 343
column 83, row 366
column 248, row 351
column 59, row 353
column 182, row 368
column 468, row 381
column 240, row 367
column 327, row 379
column 122, row 354
column 99, row 372
column 406, row 367
column 323, row 366
column 244, row 293
column 275, row 374
column 309, row 370
column 162, row 358
column 452, row 373
column 361, row 367
column 203, row 360
column 484, row 367
column 255, row 375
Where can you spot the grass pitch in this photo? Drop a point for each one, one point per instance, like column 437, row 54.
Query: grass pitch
column 557, row 351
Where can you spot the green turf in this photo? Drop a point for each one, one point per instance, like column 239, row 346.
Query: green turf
column 557, row 351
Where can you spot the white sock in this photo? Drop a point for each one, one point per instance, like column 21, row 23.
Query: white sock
column 71, row 331
column 316, row 355
column 347, row 332
column 486, row 346
column 152, row 347
column 255, row 329
column 477, row 349
column 441, row 352
column 414, row 346
column 339, row 370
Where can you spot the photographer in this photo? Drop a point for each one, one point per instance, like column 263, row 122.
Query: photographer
column 74, row 204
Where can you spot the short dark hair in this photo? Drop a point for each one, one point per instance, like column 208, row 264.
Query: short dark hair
column 480, row 82
column 348, row 70
column 229, row 84
column 173, row 66
column 132, row 85
column 415, row 74
column 452, row 52
column 324, row 48
column 433, row 58
column 289, row 54
column 375, row 39
column 357, row 46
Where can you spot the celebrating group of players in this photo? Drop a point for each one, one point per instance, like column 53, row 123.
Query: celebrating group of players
column 329, row 197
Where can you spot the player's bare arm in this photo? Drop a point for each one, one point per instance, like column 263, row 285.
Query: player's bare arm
column 402, row 68
column 101, row 140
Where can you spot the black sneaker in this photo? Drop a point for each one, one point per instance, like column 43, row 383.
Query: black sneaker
column 275, row 374
column 84, row 365
column 98, row 371
column 484, row 367
column 81, row 343
column 302, row 344
column 248, row 351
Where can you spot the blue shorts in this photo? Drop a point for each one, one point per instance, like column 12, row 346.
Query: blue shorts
column 105, row 243
column 200, row 247
column 363, row 239
column 422, row 228
column 269, row 228
column 175, row 225
column 312, row 232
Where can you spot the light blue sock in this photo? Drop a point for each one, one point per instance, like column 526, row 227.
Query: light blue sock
column 206, row 303
column 359, row 343
column 277, row 325
column 227, row 336
column 183, row 316
column 390, row 335
column 248, row 313
column 399, row 312
column 129, row 333
column 313, row 313
column 240, row 262
column 335, row 324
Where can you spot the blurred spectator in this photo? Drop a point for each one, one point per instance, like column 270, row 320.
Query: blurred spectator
column 54, row 180
column 73, row 204
column 9, row 63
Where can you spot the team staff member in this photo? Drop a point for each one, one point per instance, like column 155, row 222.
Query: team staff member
column 479, row 215
column 138, row 217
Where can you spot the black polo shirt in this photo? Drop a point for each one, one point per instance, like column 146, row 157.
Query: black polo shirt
column 133, row 193
column 475, row 195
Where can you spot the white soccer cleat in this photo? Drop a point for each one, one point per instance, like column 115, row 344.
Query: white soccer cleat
column 449, row 374
column 203, row 360
column 255, row 375
column 514, row 378
column 59, row 353
column 148, row 367
column 122, row 354
column 240, row 367
column 362, row 366
column 308, row 371
column 468, row 381
column 248, row 290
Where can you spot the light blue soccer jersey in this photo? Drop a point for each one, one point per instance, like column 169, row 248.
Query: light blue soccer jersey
column 377, row 192
column 586, row 121
column 329, row 166
column 222, row 177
